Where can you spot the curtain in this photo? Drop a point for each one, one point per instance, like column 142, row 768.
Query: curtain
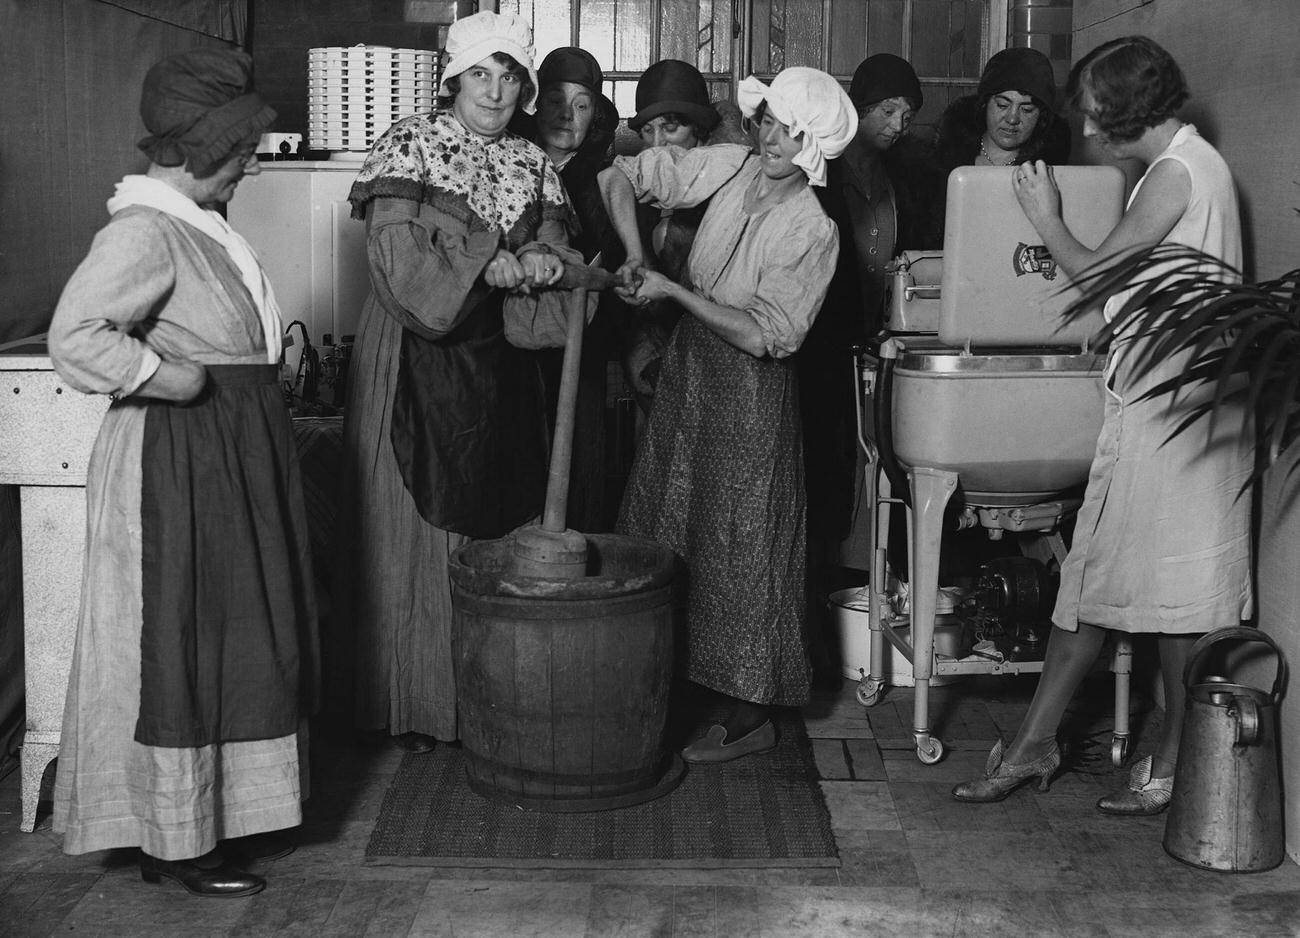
column 70, row 115
column 224, row 19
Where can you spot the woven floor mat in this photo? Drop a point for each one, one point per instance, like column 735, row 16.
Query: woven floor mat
column 761, row 811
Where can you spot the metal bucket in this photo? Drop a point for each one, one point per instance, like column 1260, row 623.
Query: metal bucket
column 1226, row 810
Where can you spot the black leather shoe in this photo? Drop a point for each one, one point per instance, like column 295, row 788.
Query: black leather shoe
column 223, row 881
column 714, row 747
column 271, row 845
column 414, row 742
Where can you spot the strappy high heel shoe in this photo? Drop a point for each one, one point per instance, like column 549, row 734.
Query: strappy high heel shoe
column 1002, row 778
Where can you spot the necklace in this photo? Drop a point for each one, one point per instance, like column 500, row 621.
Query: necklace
column 992, row 162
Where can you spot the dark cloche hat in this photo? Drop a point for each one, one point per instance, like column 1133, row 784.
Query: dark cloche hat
column 882, row 76
column 1020, row 69
column 673, row 87
column 571, row 64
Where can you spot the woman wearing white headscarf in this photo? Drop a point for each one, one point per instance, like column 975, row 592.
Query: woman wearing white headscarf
column 719, row 473
column 445, row 433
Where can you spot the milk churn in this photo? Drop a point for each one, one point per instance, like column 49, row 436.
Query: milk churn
column 1226, row 810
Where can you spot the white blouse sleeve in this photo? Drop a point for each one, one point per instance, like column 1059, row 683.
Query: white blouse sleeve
column 793, row 283
column 126, row 275
column 673, row 177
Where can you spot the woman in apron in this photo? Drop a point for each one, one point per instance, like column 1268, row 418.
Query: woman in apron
column 719, row 473
column 195, row 660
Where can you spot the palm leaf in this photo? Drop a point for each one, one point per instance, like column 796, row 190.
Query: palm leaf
column 1243, row 339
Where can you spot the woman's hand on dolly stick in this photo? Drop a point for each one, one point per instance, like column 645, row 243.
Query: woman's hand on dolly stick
column 504, row 271
column 541, row 269
column 653, row 286
column 629, row 278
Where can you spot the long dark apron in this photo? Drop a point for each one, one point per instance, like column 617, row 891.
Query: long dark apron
column 228, row 646
column 469, row 431
column 719, row 478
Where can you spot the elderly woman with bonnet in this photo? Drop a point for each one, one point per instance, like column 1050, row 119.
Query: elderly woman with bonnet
column 195, row 661
column 444, row 430
column 575, row 125
column 719, row 473
column 1162, row 545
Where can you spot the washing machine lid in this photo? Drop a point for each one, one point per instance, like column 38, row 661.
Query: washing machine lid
column 1000, row 284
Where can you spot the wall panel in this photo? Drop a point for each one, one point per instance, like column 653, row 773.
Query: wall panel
column 72, row 73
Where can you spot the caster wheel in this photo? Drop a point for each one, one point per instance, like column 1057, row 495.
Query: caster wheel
column 1119, row 750
column 930, row 754
column 869, row 692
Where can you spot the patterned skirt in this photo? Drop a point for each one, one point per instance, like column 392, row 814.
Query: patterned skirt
column 719, row 478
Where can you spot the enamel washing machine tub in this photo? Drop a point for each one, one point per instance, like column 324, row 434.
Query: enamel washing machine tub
column 1017, row 428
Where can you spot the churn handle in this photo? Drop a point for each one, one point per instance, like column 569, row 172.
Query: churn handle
column 1243, row 632
column 1245, row 714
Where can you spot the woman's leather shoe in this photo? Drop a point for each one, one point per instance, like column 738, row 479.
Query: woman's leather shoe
column 414, row 742
column 270, row 845
column 1142, row 795
column 713, row 745
column 1002, row 778
column 222, row 881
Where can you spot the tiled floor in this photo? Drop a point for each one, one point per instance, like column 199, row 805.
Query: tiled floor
column 914, row 861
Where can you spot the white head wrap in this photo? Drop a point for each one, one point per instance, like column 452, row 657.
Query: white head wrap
column 475, row 38
column 808, row 102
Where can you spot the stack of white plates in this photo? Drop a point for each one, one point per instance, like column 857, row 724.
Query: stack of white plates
column 355, row 93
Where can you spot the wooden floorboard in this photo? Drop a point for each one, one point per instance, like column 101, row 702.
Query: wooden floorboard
column 914, row 862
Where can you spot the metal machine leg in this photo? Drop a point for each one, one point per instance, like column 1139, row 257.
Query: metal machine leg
column 872, row 685
column 931, row 490
column 1122, row 666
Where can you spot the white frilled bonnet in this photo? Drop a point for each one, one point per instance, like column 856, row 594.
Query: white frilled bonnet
column 808, row 102
column 475, row 38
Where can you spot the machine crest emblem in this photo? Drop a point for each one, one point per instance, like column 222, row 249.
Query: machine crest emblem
column 1033, row 259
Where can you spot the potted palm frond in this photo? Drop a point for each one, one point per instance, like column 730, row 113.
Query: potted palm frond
column 1242, row 339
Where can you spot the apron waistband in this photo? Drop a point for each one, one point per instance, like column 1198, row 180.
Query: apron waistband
column 242, row 375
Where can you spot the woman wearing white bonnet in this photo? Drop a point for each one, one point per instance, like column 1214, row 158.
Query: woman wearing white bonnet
column 478, row 37
column 445, row 432
column 718, row 475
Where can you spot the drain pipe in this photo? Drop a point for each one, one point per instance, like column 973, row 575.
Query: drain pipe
column 883, row 413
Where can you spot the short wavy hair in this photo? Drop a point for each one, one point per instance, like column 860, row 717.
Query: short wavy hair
column 1134, row 84
column 526, row 86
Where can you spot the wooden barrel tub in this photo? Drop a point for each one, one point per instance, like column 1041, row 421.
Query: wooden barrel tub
column 563, row 685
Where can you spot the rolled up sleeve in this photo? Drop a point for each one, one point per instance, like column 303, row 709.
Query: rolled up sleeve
column 792, row 285
column 540, row 319
column 673, row 177
column 126, row 275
